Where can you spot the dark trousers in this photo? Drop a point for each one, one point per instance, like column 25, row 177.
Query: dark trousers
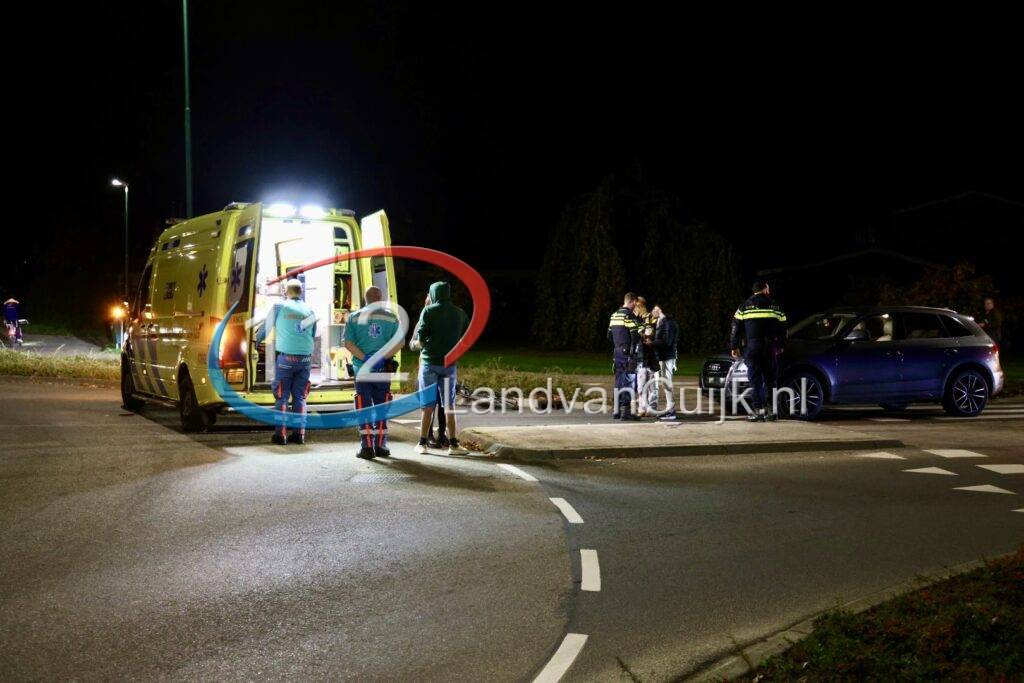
column 762, row 372
column 291, row 379
column 625, row 378
column 373, row 434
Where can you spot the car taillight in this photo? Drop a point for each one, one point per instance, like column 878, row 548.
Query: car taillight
column 995, row 350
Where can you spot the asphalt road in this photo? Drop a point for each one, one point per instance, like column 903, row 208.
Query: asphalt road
column 133, row 550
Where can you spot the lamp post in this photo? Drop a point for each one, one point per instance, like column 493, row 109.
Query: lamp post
column 120, row 183
column 188, row 114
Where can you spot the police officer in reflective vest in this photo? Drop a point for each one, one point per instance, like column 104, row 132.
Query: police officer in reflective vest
column 624, row 334
column 763, row 323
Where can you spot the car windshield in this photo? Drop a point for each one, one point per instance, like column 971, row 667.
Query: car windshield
column 820, row 326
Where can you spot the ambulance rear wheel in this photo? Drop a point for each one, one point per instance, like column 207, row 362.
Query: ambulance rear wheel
column 193, row 418
column 128, row 399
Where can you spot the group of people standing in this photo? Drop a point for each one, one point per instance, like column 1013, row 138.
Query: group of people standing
column 645, row 348
column 369, row 336
column 645, row 352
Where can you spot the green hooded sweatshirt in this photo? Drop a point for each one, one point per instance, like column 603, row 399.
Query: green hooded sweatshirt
column 441, row 325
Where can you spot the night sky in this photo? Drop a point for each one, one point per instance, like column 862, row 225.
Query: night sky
column 473, row 128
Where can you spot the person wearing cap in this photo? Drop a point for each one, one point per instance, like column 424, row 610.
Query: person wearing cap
column 368, row 330
column 763, row 323
column 294, row 325
column 11, row 318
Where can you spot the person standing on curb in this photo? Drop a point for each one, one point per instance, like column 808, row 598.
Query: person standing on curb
column 624, row 334
column 368, row 330
column 763, row 323
column 439, row 329
column 666, row 341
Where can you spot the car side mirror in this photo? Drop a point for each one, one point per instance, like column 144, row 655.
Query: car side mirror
column 856, row 335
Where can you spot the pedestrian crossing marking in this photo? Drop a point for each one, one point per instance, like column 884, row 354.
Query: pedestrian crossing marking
column 932, row 470
column 984, row 488
column 1004, row 469
column 882, row 455
column 954, row 453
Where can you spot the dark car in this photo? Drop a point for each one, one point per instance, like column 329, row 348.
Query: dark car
column 890, row 356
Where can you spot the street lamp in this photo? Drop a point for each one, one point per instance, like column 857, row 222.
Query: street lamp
column 120, row 183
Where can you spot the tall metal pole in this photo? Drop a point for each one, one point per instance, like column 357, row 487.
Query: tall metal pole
column 126, row 242
column 188, row 118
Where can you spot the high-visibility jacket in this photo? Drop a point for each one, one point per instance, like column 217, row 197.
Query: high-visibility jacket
column 624, row 333
column 759, row 320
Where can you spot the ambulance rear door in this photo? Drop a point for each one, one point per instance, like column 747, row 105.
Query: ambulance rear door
column 235, row 359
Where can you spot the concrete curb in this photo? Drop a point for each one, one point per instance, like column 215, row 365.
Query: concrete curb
column 520, row 454
column 748, row 657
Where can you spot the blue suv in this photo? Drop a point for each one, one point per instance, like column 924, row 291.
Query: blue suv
column 890, row 356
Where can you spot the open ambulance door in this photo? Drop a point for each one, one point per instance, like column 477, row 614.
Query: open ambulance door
column 235, row 359
column 375, row 233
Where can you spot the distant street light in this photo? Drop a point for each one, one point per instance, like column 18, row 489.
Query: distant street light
column 120, row 183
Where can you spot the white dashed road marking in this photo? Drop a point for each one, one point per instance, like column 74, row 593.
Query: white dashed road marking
column 1004, row 469
column 518, row 472
column 889, row 419
column 591, row 570
column 567, row 510
column 931, row 470
column 1019, row 510
column 563, row 658
column 984, row 488
column 954, row 453
column 882, row 455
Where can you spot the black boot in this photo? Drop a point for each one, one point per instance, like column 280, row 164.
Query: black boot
column 366, row 453
column 296, row 438
column 278, row 439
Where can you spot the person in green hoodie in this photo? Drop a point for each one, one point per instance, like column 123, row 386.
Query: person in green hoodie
column 440, row 327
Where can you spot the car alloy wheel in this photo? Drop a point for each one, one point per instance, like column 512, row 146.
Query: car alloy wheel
column 967, row 395
column 815, row 397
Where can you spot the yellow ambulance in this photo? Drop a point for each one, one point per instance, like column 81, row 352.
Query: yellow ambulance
column 199, row 268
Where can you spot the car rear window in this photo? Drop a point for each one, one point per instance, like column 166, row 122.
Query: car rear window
column 956, row 328
column 919, row 326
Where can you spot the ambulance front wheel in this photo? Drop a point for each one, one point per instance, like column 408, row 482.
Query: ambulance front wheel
column 193, row 417
column 128, row 399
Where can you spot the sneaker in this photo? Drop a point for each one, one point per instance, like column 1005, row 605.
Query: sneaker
column 670, row 417
column 433, row 443
column 365, row 453
column 443, row 442
column 454, row 448
column 755, row 417
column 421, row 447
column 296, row 438
column 630, row 418
column 616, row 416
column 771, row 417
column 383, row 452
column 278, row 439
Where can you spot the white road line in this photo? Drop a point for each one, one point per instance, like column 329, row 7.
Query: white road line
column 1019, row 510
column 882, row 455
column 563, row 658
column 888, row 419
column 954, row 453
column 518, row 472
column 931, row 470
column 1004, row 469
column 591, row 570
column 984, row 488
column 567, row 510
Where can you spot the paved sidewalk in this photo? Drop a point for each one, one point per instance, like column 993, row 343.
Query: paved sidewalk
column 648, row 439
